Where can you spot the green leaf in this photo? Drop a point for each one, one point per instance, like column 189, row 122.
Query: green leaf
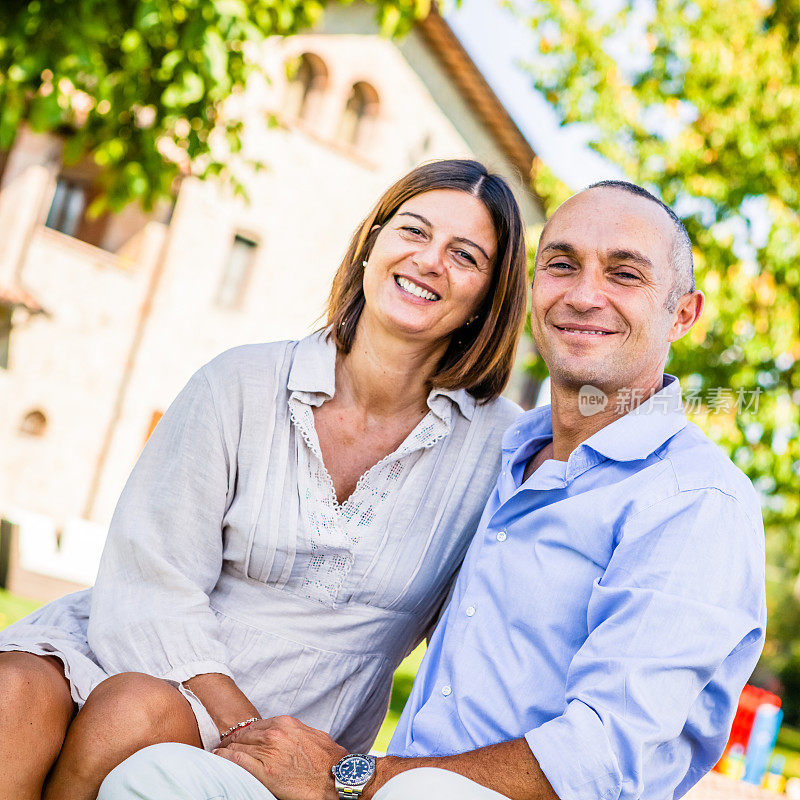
column 216, row 56
column 180, row 58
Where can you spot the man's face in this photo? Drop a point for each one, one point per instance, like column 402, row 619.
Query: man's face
column 600, row 289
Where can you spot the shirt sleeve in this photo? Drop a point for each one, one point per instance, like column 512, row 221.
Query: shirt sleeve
column 163, row 555
column 679, row 611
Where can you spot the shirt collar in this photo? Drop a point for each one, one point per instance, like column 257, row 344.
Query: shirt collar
column 645, row 428
column 631, row 437
column 312, row 378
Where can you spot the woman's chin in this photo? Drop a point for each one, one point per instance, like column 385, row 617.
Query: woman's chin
column 420, row 332
column 412, row 325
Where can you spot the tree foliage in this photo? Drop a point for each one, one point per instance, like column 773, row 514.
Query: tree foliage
column 700, row 100
column 138, row 85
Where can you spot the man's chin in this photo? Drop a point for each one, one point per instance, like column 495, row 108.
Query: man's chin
column 572, row 379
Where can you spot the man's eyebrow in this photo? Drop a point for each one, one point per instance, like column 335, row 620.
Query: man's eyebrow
column 560, row 247
column 634, row 256
column 461, row 239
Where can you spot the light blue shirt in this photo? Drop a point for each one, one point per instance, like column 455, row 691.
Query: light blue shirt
column 610, row 610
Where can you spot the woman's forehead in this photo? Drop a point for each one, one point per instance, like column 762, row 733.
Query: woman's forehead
column 458, row 212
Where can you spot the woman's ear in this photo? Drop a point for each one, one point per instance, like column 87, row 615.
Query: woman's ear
column 370, row 240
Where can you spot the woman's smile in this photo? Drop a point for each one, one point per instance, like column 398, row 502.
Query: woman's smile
column 416, row 289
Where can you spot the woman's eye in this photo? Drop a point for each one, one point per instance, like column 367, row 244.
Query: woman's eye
column 463, row 255
column 413, row 230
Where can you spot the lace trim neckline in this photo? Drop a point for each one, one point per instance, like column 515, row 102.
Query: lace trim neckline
column 428, row 431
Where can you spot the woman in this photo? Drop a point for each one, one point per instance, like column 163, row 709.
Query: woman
column 294, row 523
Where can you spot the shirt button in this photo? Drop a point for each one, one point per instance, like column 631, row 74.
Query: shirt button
column 446, row 690
column 470, row 611
column 501, row 536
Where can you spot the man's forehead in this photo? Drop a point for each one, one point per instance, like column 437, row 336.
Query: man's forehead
column 608, row 220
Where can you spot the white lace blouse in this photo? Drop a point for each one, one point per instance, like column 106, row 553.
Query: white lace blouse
column 229, row 553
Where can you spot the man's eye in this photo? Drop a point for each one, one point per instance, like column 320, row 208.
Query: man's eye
column 560, row 266
column 627, row 276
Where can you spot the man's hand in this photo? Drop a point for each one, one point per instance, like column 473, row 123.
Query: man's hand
column 291, row 759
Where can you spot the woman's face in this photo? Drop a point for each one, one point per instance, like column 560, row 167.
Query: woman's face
column 430, row 266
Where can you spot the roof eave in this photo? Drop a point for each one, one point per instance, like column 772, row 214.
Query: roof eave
column 477, row 92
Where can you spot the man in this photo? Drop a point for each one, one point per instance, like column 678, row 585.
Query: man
column 611, row 606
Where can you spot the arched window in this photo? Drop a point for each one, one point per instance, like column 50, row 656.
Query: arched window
column 307, row 84
column 34, row 423
column 360, row 111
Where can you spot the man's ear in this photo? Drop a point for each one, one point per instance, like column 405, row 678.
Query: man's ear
column 689, row 309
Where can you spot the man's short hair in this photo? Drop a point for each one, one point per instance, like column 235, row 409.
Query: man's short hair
column 681, row 258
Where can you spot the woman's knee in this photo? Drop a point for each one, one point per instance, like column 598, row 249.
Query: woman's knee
column 35, row 684
column 133, row 705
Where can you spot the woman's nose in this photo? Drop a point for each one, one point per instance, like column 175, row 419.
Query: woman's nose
column 429, row 258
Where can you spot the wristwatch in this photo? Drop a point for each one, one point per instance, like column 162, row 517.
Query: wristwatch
column 352, row 773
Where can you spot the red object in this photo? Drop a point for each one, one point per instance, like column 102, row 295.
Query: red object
column 751, row 698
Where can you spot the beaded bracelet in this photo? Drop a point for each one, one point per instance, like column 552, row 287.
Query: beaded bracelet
column 239, row 725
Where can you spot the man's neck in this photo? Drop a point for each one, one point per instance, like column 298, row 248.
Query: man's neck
column 573, row 426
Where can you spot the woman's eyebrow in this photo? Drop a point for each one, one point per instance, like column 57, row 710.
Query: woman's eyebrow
column 416, row 216
column 461, row 239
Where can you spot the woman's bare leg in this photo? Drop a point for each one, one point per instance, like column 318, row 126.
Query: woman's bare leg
column 121, row 716
column 35, row 711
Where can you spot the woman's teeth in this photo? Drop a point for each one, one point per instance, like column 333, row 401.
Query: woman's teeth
column 417, row 291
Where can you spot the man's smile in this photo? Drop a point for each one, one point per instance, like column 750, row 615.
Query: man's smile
column 583, row 330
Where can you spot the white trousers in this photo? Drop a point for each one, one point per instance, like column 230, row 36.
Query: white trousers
column 181, row 772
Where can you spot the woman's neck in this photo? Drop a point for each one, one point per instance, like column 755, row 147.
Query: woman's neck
column 384, row 374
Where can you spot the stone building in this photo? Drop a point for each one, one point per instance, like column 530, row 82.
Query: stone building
column 103, row 321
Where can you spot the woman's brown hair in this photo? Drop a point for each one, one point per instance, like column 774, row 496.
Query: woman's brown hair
column 480, row 355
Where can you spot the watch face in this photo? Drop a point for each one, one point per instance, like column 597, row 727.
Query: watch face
column 354, row 770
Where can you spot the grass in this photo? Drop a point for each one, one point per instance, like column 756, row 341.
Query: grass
column 401, row 688
column 13, row 608
column 788, row 745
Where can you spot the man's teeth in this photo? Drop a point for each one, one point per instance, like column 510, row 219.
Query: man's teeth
column 592, row 333
column 418, row 291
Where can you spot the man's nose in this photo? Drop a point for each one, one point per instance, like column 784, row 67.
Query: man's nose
column 586, row 291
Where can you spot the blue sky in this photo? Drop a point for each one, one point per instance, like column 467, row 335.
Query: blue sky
column 497, row 41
